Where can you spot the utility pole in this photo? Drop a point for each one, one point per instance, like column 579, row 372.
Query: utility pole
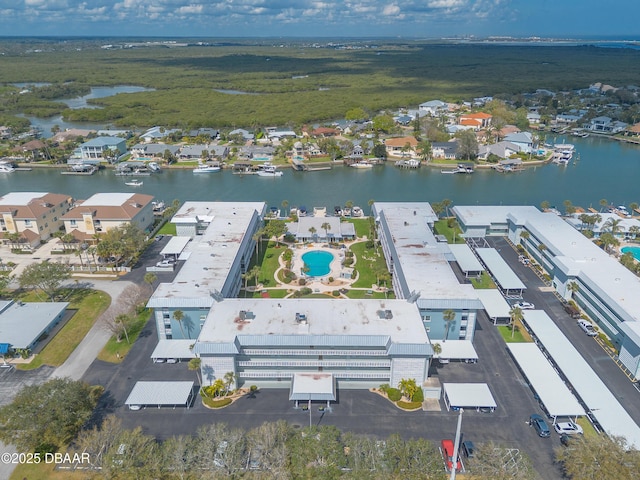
column 456, row 447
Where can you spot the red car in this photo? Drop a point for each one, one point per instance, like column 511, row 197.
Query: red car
column 446, row 446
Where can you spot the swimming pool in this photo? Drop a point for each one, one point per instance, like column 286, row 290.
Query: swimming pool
column 318, row 262
column 635, row 251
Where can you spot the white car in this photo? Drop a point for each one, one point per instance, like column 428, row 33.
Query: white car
column 587, row 328
column 568, row 428
column 524, row 305
column 165, row 263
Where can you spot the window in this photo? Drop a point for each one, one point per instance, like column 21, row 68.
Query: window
column 27, row 223
column 73, row 223
column 426, row 318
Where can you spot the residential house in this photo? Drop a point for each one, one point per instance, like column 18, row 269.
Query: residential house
column 275, row 134
column 502, row 149
column 31, row 149
column 156, row 133
column 433, row 107
column 567, row 118
column 447, row 150
column 480, row 101
column 634, row 130
column 257, row 153
column 403, row 120
column 71, row 134
column 5, row 132
column 191, row 152
column 103, row 148
column 34, row 215
column 477, row 120
column 153, row 150
column 524, row 140
column 212, row 133
column 605, row 124
column 401, row 146
column 325, row 132
column 105, row 211
column 245, row 134
column 533, row 118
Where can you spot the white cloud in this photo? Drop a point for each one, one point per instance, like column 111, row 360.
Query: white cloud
column 392, row 9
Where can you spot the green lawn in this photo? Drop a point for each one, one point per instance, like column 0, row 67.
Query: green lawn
column 358, row 294
column 369, row 260
column 89, row 304
column 115, row 351
column 484, row 282
column 362, row 226
column 442, row 228
column 520, row 334
column 275, row 293
column 168, row 229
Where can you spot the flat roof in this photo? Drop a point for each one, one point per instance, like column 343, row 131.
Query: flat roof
column 313, row 386
column 550, row 388
column 422, row 258
column 20, row 198
column 465, row 258
column 457, row 350
column 177, row 348
column 107, row 199
column 22, row 323
column 209, row 256
column 484, row 216
column 601, row 403
column 494, row 303
column 175, row 246
column 474, row 395
column 506, row 278
column 161, row 394
column 272, row 318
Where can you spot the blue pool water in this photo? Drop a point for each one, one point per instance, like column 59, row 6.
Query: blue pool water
column 318, row 262
column 635, row 251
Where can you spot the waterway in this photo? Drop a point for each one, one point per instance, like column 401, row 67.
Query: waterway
column 605, row 169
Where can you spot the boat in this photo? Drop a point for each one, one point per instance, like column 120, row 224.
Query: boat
column 461, row 168
column 134, row 183
column 269, row 171
column 6, row 168
column 362, row 164
column 154, row 167
column 204, row 168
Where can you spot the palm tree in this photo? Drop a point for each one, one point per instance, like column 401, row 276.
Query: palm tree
column 150, row 278
column 542, row 247
column 326, row 226
column 313, row 231
column 607, row 240
column 194, row 365
column 446, row 203
column 573, row 287
column 604, row 203
column 285, row 204
column 178, row 316
column 635, row 231
column 612, row 225
column 229, row 379
column 633, row 206
column 437, row 349
column 524, row 235
column 545, row 205
column 254, row 273
column 257, row 237
column 448, row 316
column 516, row 316
column 349, row 204
column 123, row 319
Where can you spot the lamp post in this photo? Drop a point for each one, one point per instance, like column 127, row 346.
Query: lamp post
column 456, row 446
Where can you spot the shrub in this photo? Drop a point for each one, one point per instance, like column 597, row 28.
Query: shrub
column 418, row 396
column 211, row 403
column 336, row 293
column 409, row 405
column 348, row 262
column 253, row 388
column 520, row 248
column 394, row 394
column 269, row 255
column 306, row 291
column 302, row 281
column 271, row 244
column 369, row 244
column 354, row 274
column 330, row 279
column 384, row 387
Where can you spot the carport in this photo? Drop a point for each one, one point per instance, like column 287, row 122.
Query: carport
column 552, row 392
column 602, row 405
column 178, row 349
column 160, row 394
column 468, row 395
column 457, row 350
column 308, row 387
column 506, row 278
column 495, row 305
column 174, row 247
column 466, row 260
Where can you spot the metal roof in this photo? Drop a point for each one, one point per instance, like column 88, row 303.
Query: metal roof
column 315, row 340
column 160, row 394
column 601, row 402
column 410, row 350
column 494, row 303
column 175, row 246
column 21, row 324
column 506, row 278
column 174, row 349
column 465, row 258
column 313, row 386
column 550, row 388
column 469, row 395
column 457, row 350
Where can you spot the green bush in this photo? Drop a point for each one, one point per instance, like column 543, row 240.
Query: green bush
column 369, row 244
column 418, row 396
column 302, row 281
column 348, row 262
column 271, row 244
column 211, row 403
column 394, row 394
column 330, row 279
column 409, row 405
column 336, row 293
column 306, row 291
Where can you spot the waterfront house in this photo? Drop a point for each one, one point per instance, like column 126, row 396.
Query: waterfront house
column 71, row 134
column 258, row 153
column 401, row 146
column 634, row 130
column 34, row 215
column 103, row 148
column 446, row 150
column 523, row 140
column 153, row 150
column 503, row 150
column 156, row 133
column 605, row 124
column 191, row 152
column 104, row 211
column 338, row 231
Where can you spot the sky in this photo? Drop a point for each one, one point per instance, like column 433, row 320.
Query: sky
column 321, row 18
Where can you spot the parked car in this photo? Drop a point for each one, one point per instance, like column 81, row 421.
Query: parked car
column 567, row 428
column 539, row 425
column 165, row 263
column 571, row 310
column 587, row 328
column 446, row 447
column 468, row 449
column 524, row 305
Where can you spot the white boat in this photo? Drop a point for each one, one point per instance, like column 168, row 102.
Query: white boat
column 203, row 168
column 6, row 168
column 269, row 171
column 153, row 166
column 362, row 165
column 134, row 183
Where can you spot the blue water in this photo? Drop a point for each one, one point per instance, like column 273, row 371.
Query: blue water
column 318, row 262
column 635, row 251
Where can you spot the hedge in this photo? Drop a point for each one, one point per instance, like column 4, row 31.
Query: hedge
column 394, row 394
column 418, row 396
column 211, row 403
column 409, row 405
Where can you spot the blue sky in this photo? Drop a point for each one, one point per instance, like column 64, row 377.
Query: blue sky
column 325, row 18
